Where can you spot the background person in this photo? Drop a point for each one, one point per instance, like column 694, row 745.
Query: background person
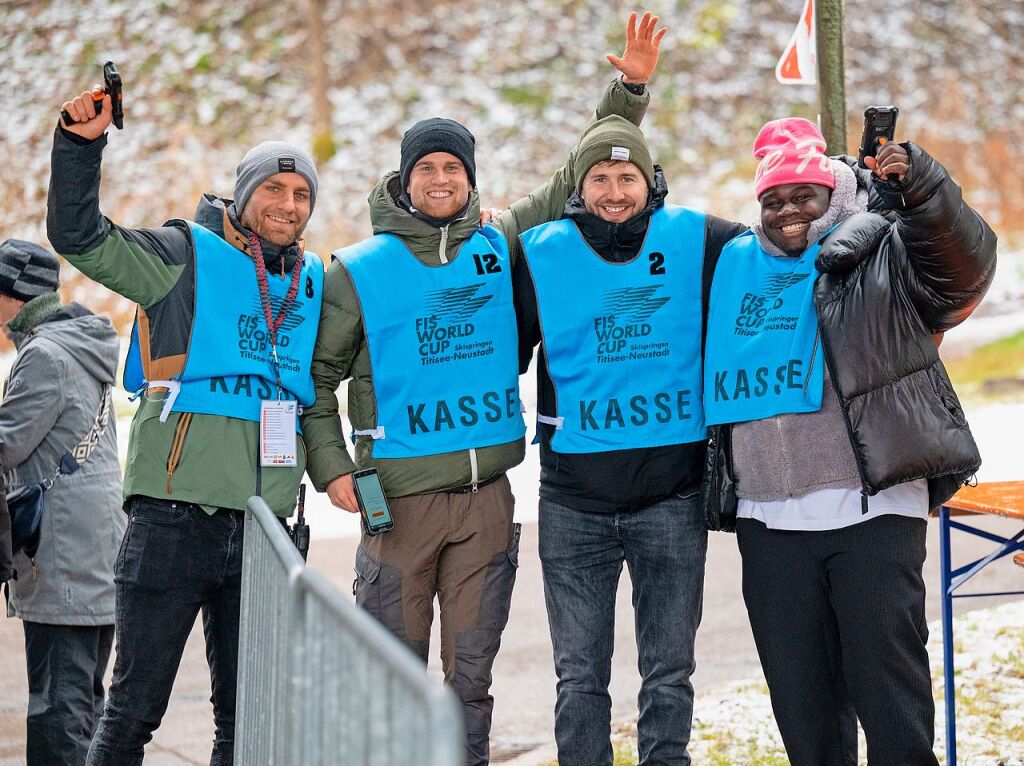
column 57, row 396
column 829, row 343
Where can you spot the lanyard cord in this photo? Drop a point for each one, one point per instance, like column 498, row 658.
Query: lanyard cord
column 286, row 306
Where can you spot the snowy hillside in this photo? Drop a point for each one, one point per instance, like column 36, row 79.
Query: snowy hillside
column 205, row 80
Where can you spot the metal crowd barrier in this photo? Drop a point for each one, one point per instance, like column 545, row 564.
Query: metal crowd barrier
column 322, row 682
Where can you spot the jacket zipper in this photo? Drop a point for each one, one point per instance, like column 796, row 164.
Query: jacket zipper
column 846, row 413
column 177, row 446
column 442, row 250
column 814, row 354
column 474, row 471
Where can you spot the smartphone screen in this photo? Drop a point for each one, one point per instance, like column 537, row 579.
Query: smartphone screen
column 374, row 503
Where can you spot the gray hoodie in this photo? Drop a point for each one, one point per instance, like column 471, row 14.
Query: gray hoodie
column 790, row 455
column 51, row 398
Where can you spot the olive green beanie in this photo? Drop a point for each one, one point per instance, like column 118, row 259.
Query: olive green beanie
column 613, row 138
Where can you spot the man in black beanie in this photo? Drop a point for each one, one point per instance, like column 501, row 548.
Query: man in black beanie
column 421, row 318
column 427, row 147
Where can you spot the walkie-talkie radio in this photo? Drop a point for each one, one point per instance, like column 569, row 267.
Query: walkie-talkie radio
column 300, row 529
column 879, row 129
column 111, row 86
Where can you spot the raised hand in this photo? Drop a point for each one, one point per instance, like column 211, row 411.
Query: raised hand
column 642, row 48
column 892, row 162
column 87, row 123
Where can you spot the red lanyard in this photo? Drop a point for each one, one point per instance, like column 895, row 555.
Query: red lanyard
column 286, row 306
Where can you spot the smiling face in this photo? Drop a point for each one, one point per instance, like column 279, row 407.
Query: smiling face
column 279, row 208
column 438, row 185
column 614, row 190
column 787, row 212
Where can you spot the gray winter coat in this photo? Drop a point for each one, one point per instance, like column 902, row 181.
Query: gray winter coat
column 51, row 400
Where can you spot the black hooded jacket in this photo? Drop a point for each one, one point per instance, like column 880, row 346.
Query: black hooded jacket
column 885, row 289
column 617, row 480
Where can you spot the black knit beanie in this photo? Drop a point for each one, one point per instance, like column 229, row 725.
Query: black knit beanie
column 437, row 135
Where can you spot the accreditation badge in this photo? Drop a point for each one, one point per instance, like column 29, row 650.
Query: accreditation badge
column 278, row 424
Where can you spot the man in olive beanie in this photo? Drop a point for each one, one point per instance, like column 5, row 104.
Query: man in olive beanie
column 613, row 139
column 622, row 436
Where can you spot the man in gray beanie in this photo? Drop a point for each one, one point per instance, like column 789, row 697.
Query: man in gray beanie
column 228, row 309
column 56, row 402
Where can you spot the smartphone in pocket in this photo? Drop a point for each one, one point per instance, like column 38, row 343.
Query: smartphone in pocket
column 373, row 505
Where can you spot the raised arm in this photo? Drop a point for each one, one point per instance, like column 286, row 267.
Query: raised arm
column 140, row 264
column 950, row 251
column 625, row 96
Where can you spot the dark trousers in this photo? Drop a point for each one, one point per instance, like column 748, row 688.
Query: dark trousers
column 665, row 546
column 838, row 619
column 175, row 560
column 66, row 664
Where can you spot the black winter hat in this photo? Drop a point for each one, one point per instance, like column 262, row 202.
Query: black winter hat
column 27, row 270
column 438, row 135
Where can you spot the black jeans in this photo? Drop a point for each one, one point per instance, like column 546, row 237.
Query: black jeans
column 175, row 560
column 838, row 619
column 66, row 664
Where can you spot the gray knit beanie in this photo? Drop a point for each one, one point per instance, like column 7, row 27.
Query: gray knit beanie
column 267, row 159
column 27, row 270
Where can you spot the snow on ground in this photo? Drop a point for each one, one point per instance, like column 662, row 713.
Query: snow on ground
column 1000, row 314
column 734, row 725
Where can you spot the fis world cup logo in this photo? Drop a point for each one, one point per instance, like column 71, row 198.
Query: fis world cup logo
column 755, row 307
column 253, row 337
column 626, row 311
column 448, row 312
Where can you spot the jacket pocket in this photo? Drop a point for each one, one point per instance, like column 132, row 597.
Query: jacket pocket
column 378, row 590
column 154, row 553
column 496, row 594
column 943, row 390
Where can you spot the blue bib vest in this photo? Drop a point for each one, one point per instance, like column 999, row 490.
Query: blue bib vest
column 443, row 345
column 763, row 355
column 228, row 369
column 622, row 340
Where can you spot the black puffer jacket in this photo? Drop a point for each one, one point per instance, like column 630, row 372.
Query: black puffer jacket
column 885, row 289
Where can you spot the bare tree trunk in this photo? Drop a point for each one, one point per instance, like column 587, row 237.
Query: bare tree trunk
column 323, row 133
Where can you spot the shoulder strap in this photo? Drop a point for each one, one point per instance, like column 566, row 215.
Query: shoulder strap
column 80, row 453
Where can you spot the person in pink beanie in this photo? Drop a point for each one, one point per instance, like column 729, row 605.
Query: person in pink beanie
column 834, row 429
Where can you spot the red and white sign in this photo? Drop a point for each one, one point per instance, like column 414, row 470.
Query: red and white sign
column 799, row 62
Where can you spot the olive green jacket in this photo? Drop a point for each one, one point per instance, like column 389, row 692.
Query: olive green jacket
column 341, row 351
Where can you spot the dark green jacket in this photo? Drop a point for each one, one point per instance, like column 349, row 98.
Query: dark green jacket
column 341, row 351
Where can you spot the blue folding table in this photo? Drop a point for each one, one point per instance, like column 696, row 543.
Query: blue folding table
column 1004, row 499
